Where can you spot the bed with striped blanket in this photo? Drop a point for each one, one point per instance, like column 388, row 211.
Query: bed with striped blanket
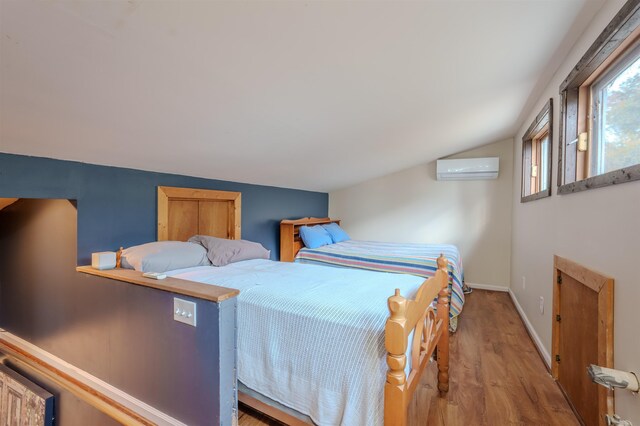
column 402, row 258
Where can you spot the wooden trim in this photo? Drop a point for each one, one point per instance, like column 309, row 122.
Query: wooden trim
column 527, row 148
column 570, row 136
column 621, row 26
column 5, row 202
column 430, row 332
column 603, row 286
column 270, row 411
column 555, row 325
column 173, row 285
column 290, row 242
column 573, row 166
column 308, row 221
column 541, row 120
column 536, row 196
column 594, row 280
column 167, row 194
column 561, row 139
column 583, row 126
column 605, row 342
column 544, row 120
column 113, row 402
column 616, row 177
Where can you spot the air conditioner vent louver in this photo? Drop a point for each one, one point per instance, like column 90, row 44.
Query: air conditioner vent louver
column 468, row 168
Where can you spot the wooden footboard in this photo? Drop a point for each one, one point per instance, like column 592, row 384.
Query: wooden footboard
column 431, row 332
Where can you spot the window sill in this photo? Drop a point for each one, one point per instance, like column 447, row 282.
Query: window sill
column 536, row 196
column 616, row 177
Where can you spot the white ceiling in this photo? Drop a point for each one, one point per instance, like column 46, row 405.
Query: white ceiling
column 316, row 95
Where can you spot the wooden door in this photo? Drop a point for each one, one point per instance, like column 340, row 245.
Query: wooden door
column 578, row 346
column 582, row 335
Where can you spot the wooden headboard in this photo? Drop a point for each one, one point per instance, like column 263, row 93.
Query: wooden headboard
column 290, row 242
column 185, row 212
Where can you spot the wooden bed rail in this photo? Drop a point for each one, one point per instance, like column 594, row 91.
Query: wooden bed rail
column 431, row 331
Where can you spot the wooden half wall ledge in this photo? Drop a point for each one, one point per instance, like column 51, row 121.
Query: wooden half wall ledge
column 5, row 202
column 173, row 285
column 110, row 400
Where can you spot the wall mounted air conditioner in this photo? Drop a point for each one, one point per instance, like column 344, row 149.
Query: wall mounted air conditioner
column 468, row 168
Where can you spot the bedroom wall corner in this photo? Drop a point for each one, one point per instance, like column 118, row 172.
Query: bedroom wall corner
column 412, row 206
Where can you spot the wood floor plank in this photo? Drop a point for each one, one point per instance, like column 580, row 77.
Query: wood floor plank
column 496, row 377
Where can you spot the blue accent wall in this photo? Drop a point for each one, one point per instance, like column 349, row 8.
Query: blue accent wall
column 117, row 206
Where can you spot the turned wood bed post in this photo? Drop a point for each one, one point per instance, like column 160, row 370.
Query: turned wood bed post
column 407, row 315
column 443, row 343
column 394, row 389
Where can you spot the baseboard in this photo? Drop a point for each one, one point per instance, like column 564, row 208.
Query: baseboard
column 546, row 357
column 490, row 287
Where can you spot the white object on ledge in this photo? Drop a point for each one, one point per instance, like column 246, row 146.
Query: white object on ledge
column 103, row 260
column 155, row 275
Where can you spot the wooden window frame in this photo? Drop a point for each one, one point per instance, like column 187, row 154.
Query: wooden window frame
column 575, row 104
column 601, row 81
column 541, row 127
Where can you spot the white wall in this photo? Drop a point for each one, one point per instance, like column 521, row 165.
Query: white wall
column 599, row 228
column 411, row 206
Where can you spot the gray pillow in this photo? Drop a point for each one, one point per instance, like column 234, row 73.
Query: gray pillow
column 222, row 252
column 162, row 256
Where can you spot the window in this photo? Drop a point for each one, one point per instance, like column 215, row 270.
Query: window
column 616, row 117
column 600, row 109
column 536, row 156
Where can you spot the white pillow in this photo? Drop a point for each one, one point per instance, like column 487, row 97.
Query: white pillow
column 162, row 256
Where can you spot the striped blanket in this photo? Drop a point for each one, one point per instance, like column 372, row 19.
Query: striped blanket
column 402, row 258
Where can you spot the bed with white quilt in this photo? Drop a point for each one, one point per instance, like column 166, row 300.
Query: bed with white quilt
column 339, row 346
column 311, row 337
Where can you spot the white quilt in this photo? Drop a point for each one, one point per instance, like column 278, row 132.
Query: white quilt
column 312, row 337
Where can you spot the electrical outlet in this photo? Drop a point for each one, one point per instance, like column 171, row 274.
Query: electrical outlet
column 541, row 305
column 184, row 311
column 524, row 282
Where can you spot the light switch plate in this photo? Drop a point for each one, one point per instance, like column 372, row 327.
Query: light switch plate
column 184, row 311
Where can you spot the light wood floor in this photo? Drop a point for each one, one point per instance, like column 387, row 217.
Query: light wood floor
column 496, row 375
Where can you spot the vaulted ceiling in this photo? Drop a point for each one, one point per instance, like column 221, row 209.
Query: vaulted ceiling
column 316, row 95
